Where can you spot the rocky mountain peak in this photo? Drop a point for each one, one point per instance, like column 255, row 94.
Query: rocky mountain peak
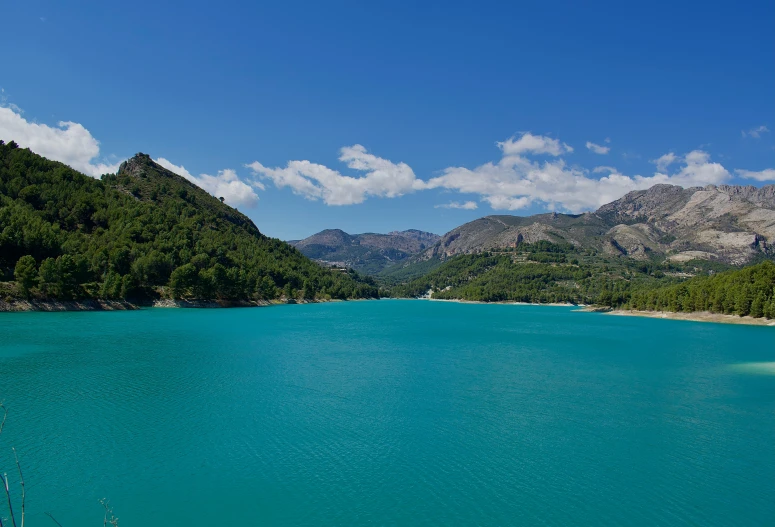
column 760, row 196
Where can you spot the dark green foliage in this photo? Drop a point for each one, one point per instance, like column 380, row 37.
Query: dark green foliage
column 139, row 234
column 266, row 289
column 26, row 273
column 401, row 273
column 183, row 279
column 59, row 277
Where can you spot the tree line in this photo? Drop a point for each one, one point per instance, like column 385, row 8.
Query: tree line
column 746, row 292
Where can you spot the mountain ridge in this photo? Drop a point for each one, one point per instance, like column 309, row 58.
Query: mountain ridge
column 367, row 252
column 726, row 223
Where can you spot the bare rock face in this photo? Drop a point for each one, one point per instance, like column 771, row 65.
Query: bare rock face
column 646, row 205
column 636, row 241
column 733, row 247
column 493, row 232
column 726, row 223
column 685, row 256
column 489, row 233
column 759, row 196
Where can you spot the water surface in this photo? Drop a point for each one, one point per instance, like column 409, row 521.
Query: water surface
column 389, row 413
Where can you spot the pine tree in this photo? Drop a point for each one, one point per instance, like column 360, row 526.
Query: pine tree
column 757, row 306
column 48, row 277
column 26, row 274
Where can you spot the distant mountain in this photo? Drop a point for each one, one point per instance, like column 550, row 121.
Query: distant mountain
column 142, row 233
column 367, row 252
column 730, row 224
column 426, row 238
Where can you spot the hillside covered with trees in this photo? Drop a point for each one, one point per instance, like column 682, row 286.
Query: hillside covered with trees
column 749, row 291
column 141, row 234
column 545, row 272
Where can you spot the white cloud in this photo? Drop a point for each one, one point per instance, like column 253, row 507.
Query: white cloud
column 226, row 184
column 468, row 205
column 67, row 142
column 5, row 104
column 697, row 171
column 383, row 178
column 516, row 182
column 763, row 175
column 665, row 161
column 598, row 149
column 755, row 132
column 508, row 203
column 534, row 144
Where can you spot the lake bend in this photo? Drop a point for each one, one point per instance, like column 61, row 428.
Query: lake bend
column 389, row 412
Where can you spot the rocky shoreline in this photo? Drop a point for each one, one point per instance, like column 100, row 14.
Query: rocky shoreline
column 123, row 305
column 67, row 305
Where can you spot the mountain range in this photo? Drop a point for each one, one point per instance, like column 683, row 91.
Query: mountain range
column 729, row 224
column 368, row 252
column 726, row 224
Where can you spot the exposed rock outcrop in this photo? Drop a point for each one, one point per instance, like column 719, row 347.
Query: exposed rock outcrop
column 727, row 223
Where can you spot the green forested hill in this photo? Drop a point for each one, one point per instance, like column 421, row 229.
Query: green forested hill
column 545, row 272
column 538, row 272
column 143, row 233
column 748, row 291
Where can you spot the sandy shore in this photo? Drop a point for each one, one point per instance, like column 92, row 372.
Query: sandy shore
column 506, row 303
column 702, row 316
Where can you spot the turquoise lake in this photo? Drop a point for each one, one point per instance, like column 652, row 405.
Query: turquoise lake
column 388, row 412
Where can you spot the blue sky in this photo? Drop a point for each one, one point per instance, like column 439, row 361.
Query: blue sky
column 430, row 103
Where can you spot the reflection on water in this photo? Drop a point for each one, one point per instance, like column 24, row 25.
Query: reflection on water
column 757, row 368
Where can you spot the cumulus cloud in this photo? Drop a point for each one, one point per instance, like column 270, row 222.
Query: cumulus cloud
column 515, row 182
column 534, row 144
column 67, row 142
column 762, row 175
column 756, row 133
column 598, row 149
column 468, row 205
column 382, row 178
column 665, row 161
column 226, row 184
